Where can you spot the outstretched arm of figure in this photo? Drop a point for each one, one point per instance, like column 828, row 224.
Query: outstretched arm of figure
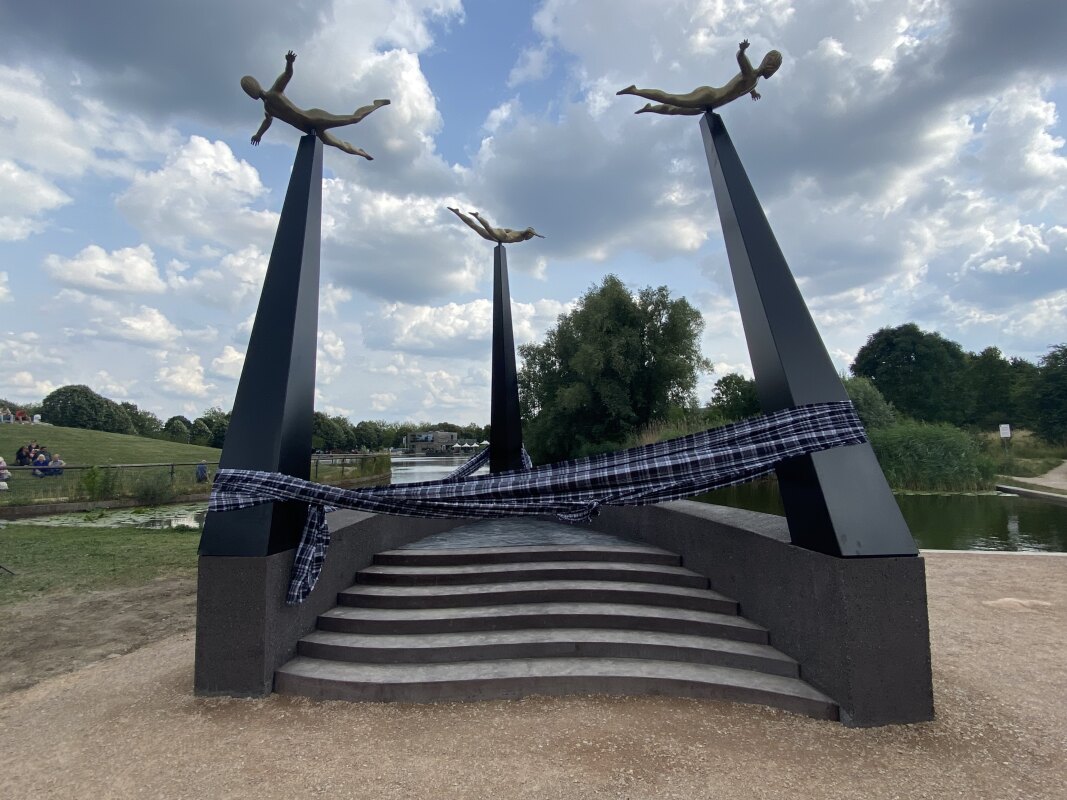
column 360, row 113
column 283, row 79
column 476, row 227
column 668, row 109
column 267, row 119
column 742, row 60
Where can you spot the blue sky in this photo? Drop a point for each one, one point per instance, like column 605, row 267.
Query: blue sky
column 909, row 153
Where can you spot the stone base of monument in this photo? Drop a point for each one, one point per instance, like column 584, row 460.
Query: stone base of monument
column 512, row 608
column 857, row 626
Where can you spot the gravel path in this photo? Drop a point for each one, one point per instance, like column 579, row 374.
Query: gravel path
column 1056, row 478
column 130, row 727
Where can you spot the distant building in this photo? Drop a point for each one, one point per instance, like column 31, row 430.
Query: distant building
column 419, row 442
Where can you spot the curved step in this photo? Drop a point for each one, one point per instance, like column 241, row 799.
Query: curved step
column 514, row 678
column 580, row 642
column 499, row 555
column 386, row 575
column 353, row 619
column 562, row 591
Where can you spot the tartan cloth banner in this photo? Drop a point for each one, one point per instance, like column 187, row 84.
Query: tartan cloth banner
column 471, row 466
column 572, row 490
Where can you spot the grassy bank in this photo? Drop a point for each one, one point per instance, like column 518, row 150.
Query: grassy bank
column 51, row 560
column 78, row 446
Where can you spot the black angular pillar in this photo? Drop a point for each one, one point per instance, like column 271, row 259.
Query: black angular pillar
column 505, row 431
column 837, row 501
column 270, row 428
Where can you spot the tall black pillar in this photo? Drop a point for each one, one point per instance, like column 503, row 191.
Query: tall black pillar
column 270, row 428
column 836, row 501
column 505, row 431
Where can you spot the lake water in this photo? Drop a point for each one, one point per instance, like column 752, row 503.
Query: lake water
column 943, row 521
column 937, row 521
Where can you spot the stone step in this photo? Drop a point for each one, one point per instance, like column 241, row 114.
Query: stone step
column 443, row 557
column 388, row 575
column 559, row 591
column 542, row 615
column 514, row 678
column 550, row 643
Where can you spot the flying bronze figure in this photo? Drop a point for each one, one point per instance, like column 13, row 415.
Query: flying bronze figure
column 312, row 120
column 706, row 98
column 481, row 226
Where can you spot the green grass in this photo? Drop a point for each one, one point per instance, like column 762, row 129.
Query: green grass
column 53, row 560
column 78, row 446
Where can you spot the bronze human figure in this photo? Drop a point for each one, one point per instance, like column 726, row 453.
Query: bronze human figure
column 705, row 98
column 482, row 227
column 312, row 120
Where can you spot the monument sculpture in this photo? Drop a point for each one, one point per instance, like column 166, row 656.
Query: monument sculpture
column 505, row 422
column 705, row 98
column 312, row 120
column 481, row 226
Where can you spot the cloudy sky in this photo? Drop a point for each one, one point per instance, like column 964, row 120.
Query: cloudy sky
column 910, row 154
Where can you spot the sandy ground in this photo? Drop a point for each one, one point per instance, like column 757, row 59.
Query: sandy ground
column 1056, row 478
column 129, row 726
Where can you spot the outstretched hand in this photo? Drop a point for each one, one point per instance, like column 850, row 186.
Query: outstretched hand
column 256, row 139
column 290, row 57
column 743, row 46
column 756, row 95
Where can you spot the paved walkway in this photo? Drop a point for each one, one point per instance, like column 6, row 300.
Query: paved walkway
column 130, row 727
column 515, row 532
column 1056, row 478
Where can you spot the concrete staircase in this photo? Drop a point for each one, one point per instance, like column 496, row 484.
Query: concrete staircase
column 441, row 624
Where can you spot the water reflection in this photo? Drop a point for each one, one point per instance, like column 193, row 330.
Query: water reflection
column 412, row 469
column 943, row 521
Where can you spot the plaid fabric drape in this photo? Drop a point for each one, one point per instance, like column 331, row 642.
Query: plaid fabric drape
column 572, row 490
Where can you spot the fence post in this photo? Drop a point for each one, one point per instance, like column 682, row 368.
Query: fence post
column 172, row 473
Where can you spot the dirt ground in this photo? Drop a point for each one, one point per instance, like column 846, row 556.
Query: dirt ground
column 1056, row 478
column 127, row 725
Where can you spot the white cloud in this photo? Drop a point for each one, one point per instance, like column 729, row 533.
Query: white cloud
column 330, row 357
column 235, row 278
column 532, row 65
column 199, row 199
column 5, row 290
column 130, row 269
column 24, row 198
column 109, row 386
column 148, row 327
column 183, row 375
column 330, row 297
column 382, row 401
column 23, row 385
column 229, row 363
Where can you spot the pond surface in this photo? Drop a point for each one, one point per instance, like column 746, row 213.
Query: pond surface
column 177, row 517
column 412, row 469
column 943, row 521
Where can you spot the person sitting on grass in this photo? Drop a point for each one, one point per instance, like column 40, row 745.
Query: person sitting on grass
column 40, row 464
column 55, row 466
column 5, row 473
column 23, row 457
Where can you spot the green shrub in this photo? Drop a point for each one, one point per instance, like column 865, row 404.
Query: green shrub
column 154, row 489
column 932, row 457
column 100, row 483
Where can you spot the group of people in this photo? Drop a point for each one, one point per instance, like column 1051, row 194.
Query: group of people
column 44, row 464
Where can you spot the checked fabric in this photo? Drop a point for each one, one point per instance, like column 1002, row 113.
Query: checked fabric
column 572, row 490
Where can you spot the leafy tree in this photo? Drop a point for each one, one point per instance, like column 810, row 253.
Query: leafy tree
column 326, row 434
column 989, row 380
column 610, row 366
column 218, row 422
column 200, row 433
column 81, row 407
column 872, row 408
column 1024, row 379
column 145, row 423
column 1050, row 396
column 177, row 429
column 734, row 397
column 922, row 374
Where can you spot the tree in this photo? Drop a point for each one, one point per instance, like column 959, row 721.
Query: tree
column 145, row 423
column 80, row 407
column 1050, row 396
column 177, row 429
column 989, row 380
column 922, row 374
column 872, row 408
column 734, row 397
column 610, row 366
column 218, row 421
column 200, row 433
